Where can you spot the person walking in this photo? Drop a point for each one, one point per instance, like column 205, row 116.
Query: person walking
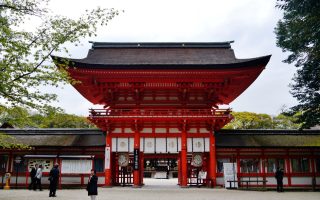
column 92, row 186
column 53, row 178
column 38, row 177
column 279, row 176
column 32, row 176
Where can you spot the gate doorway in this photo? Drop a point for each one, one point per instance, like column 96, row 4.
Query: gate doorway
column 160, row 170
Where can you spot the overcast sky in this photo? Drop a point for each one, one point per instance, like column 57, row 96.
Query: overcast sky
column 250, row 23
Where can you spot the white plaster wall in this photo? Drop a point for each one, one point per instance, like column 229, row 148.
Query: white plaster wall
column 204, row 130
column 149, row 145
column 114, row 145
column 192, row 130
column 189, row 145
column 131, row 145
column 146, row 130
column 160, row 130
column 172, row 145
column 198, row 144
column 123, row 144
column 174, row 130
column 70, row 180
column 161, row 145
column 207, row 144
column 117, row 130
column 128, row 130
column 301, row 180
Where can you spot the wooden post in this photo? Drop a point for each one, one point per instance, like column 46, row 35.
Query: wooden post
column 183, row 161
column 108, row 154
column 212, row 157
column 136, row 159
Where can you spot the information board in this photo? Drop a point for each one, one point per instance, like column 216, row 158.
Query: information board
column 230, row 174
column 76, row 166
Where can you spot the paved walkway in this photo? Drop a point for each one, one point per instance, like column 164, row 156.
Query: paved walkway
column 159, row 189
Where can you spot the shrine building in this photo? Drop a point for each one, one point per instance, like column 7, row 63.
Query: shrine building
column 163, row 107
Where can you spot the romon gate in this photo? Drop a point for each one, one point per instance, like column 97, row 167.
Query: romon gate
column 161, row 105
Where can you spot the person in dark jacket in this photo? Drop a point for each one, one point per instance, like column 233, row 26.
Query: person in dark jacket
column 279, row 176
column 92, row 186
column 32, row 176
column 53, row 178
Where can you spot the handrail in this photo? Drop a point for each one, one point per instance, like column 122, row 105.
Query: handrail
column 158, row 112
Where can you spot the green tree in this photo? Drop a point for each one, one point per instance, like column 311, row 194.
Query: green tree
column 25, row 54
column 58, row 119
column 299, row 33
column 16, row 116
column 250, row 120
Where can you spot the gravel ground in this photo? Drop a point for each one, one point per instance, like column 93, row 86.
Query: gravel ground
column 160, row 190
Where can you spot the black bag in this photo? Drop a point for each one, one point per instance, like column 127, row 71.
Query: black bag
column 50, row 178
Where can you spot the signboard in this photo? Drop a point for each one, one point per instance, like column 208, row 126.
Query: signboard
column 107, row 158
column 76, row 166
column 230, row 175
column 47, row 164
column 202, row 175
column 136, row 159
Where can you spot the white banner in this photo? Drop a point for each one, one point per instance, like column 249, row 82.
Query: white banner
column 76, row 166
column 107, row 158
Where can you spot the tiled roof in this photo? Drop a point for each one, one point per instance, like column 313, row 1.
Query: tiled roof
column 159, row 55
column 224, row 138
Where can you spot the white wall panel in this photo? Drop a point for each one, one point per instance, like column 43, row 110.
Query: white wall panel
column 198, row 144
column 114, row 145
column 179, row 144
column 117, row 130
column 146, row 130
column 204, row 130
column 161, row 145
column 131, row 144
column 160, row 130
column 206, row 144
column 174, row 130
column 172, row 145
column 123, row 144
column 189, row 145
column 141, row 144
column 128, row 130
column 301, row 180
column 149, row 145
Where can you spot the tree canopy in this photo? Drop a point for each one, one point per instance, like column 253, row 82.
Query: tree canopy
column 25, row 62
column 299, row 34
column 20, row 117
column 250, row 120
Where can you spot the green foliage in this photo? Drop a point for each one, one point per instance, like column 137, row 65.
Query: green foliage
column 25, row 54
column 249, row 120
column 299, row 33
column 20, row 117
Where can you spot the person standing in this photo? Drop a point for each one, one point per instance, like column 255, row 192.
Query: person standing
column 53, row 178
column 38, row 178
column 32, row 176
column 279, row 176
column 92, row 186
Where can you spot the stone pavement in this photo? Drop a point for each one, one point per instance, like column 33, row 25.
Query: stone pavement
column 159, row 190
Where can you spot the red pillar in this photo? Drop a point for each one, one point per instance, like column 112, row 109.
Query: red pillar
column 212, row 157
column 137, row 172
column 108, row 171
column 183, row 161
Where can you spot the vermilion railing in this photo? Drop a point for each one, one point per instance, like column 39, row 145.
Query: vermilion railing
column 116, row 113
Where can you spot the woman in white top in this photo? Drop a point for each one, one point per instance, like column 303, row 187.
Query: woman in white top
column 38, row 178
